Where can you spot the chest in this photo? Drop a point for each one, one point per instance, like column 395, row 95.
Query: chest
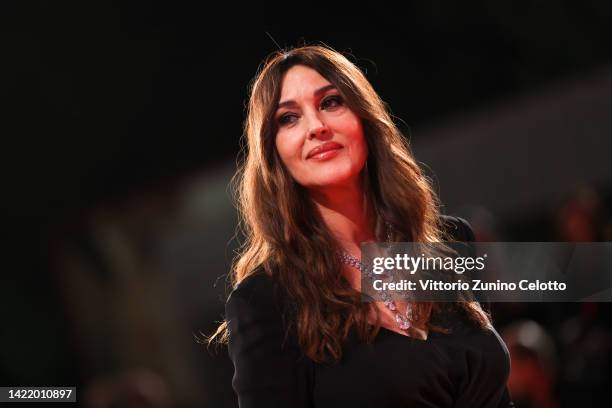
column 392, row 371
column 398, row 371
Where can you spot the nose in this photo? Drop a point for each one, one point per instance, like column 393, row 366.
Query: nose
column 320, row 132
column 318, row 129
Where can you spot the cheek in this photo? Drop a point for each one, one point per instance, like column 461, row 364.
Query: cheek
column 353, row 131
column 349, row 125
column 360, row 138
column 288, row 147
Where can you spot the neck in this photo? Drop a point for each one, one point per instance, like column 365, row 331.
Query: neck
column 346, row 213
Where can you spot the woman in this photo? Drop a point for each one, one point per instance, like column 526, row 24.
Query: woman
column 327, row 169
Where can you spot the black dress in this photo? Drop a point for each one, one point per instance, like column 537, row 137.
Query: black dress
column 467, row 367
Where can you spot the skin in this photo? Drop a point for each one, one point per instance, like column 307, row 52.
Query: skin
column 307, row 118
column 335, row 184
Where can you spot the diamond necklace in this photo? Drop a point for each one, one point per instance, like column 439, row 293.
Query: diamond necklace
column 402, row 320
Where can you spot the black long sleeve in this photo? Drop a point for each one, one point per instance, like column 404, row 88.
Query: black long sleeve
column 269, row 369
column 466, row 368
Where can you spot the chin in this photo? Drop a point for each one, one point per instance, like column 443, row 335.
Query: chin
column 336, row 179
column 334, row 172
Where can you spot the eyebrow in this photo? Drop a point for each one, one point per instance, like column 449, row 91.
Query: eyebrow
column 317, row 92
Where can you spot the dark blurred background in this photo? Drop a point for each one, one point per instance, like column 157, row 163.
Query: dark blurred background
column 122, row 133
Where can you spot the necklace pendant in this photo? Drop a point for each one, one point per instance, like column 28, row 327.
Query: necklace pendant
column 404, row 324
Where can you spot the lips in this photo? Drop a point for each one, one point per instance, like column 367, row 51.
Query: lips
column 325, row 147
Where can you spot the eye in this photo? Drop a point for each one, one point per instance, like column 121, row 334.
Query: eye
column 331, row 102
column 286, row 119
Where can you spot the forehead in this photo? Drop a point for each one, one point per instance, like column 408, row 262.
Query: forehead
column 300, row 80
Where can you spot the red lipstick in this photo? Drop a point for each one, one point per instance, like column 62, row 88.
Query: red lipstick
column 322, row 148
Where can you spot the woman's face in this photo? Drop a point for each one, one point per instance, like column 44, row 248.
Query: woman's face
column 319, row 138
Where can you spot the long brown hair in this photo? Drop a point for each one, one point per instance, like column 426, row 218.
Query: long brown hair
column 287, row 237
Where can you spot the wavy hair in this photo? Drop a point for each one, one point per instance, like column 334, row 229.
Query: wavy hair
column 287, row 237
